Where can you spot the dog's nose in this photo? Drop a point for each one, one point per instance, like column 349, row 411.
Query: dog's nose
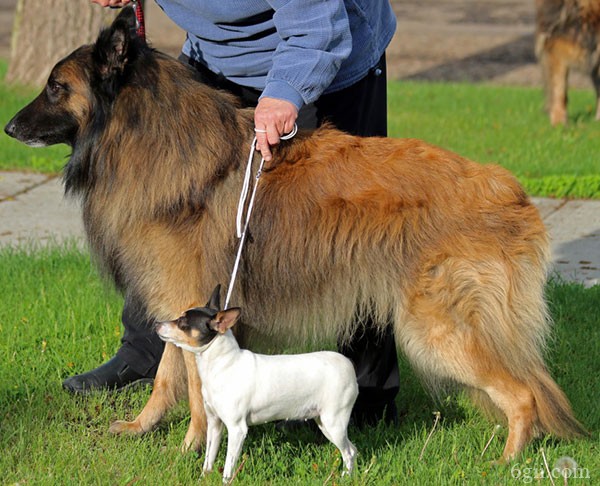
column 9, row 129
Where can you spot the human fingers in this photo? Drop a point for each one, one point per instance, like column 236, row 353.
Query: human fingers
column 111, row 3
column 272, row 119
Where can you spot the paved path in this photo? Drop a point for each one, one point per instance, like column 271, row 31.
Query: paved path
column 33, row 210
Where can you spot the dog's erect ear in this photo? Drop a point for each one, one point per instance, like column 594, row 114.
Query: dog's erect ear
column 225, row 320
column 112, row 47
column 127, row 15
column 215, row 299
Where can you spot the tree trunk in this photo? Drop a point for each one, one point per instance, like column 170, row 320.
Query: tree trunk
column 45, row 31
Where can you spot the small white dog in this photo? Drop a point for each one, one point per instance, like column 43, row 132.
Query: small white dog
column 241, row 388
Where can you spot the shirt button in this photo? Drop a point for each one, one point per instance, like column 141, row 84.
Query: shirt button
column 377, row 72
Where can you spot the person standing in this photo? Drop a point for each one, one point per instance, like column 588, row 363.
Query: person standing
column 303, row 62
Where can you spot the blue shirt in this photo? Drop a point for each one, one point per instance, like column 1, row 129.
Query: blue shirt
column 294, row 50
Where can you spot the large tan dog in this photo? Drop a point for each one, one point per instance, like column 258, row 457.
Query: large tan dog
column 454, row 252
column 567, row 37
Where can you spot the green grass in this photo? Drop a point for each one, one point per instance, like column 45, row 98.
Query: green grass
column 504, row 125
column 58, row 318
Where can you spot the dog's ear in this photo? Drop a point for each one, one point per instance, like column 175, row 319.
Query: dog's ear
column 111, row 51
column 127, row 15
column 225, row 320
column 215, row 299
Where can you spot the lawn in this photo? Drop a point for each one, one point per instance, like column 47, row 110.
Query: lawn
column 507, row 126
column 58, row 318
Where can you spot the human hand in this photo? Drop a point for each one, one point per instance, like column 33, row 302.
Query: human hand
column 112, row 3
column 272, row 119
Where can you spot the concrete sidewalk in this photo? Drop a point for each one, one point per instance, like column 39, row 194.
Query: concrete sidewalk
column 33, row 209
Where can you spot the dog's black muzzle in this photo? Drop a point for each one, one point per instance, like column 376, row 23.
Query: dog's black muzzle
column 9, row 129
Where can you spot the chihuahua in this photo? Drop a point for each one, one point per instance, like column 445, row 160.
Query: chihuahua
column 240, row 388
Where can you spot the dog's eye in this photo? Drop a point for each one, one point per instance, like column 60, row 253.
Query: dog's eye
column 183, row 324
column 55, row 87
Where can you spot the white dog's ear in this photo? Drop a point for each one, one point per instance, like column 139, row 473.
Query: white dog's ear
column 225, row 320
column 215, row 299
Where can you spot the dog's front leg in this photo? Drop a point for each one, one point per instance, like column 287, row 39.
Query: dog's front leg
column 169, row 387
column 213, row 440
column 236, row 434
column 196, row 434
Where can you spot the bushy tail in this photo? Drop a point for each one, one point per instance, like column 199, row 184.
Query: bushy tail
column 555, row 415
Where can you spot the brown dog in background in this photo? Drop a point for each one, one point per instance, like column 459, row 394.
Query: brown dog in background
column 567, row 37
column 452, row 252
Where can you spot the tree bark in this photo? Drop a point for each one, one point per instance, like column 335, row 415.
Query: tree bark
column 45, row 31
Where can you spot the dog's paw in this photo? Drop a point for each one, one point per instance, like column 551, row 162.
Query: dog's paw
column 194, row 445
column 194, row 440
column 123, row 427
column 188, row 447
column 500, row 462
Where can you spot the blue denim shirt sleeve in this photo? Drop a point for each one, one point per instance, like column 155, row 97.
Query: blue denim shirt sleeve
column 294, row 50
column 315, row 41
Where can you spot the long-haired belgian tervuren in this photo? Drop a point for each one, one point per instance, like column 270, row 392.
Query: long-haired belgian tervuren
column 567, row 37
column 454, row 252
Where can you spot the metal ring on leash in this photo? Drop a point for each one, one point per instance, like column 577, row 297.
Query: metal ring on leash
column 291, row 134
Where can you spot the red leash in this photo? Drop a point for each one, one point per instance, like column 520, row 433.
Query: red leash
column 139, row 15
column 140, row 26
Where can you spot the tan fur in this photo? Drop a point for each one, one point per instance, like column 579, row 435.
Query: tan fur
column 453, row 253
column 567, row 37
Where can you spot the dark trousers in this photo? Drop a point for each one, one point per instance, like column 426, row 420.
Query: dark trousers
column 360, row 109
column 141, row 348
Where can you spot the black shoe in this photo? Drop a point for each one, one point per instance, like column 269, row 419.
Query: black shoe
column 115, row 374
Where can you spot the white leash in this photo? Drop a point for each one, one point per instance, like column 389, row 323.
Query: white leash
column 241, row 232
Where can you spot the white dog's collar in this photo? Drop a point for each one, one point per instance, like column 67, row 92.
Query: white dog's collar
column 201, row 349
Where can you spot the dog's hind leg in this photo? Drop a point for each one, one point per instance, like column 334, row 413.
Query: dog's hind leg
column 446, row 350
column 169, row 387
column 196, row 434
column 483, row 324
column 335, row 428
column 555, row 72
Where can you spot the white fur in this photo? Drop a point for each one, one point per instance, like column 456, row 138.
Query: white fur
column 241, row 388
